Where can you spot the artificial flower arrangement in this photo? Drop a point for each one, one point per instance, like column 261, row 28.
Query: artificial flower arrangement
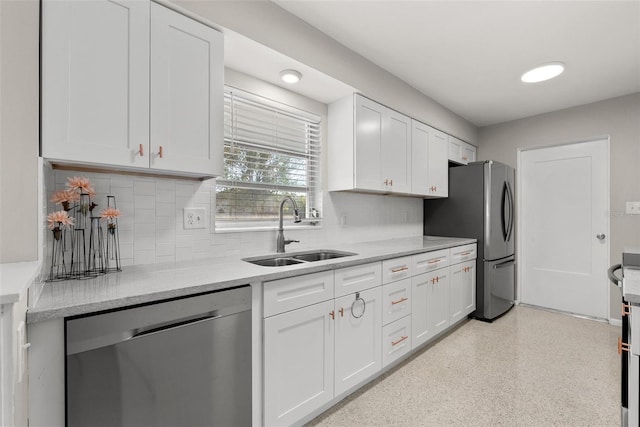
column 79, row 246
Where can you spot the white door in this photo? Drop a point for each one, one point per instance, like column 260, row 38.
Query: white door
column 564, row 227
column 186, row 94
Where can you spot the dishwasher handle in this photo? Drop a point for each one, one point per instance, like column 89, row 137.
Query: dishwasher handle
column 163, row 327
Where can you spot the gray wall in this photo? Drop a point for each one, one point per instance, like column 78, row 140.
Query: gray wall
column 618, row 118
column 19, row 86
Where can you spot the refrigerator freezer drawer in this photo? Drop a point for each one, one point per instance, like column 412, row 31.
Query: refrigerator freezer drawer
column 498, row 293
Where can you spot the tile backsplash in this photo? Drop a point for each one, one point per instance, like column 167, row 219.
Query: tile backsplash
column 151, row 226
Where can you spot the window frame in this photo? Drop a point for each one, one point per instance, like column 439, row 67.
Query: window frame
column 314, row 156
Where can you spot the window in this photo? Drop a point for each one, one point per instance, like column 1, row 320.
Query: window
column 270, row 151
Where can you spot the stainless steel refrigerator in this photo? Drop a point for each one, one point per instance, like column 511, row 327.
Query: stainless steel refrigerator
column 481, row 205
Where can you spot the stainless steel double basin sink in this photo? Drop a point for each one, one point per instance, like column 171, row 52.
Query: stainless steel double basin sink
column 280, row 260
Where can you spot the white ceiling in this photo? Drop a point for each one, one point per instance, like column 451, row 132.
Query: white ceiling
column 469, row 55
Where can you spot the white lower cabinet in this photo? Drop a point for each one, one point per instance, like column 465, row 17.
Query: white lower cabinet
column 328, row 332
column 430, row 309
column 298, row 363
column 462, row 290
column 318, row 351
column 357, row 338
column 396, row 340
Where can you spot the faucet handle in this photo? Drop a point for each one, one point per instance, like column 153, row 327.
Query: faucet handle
column 286, row 242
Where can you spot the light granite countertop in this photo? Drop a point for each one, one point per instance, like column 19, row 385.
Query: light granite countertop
column 15, row 279
column 155, row 282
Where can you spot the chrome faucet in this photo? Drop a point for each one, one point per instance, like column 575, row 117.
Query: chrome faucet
column 280, row 241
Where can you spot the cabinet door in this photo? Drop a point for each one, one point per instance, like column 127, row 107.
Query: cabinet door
column 438, row 300
column 455, row 149
column 420, row 134
column 456, row 291
column 358, row 353
column 438, row 165
column 469, row 288
column 468, row 153
column 368, row 133
column 186, row 94
column 430, row 164
column 298, row 363
column 396, row 152
column 95, row 81
column 420, row 292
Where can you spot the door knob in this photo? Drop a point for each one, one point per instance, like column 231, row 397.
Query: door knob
column 600, row 236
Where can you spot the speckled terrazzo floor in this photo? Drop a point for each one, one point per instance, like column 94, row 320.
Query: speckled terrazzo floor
column 529, row 368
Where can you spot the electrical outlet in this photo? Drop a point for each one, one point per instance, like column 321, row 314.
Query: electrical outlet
column 633, row 208
column 193, row 218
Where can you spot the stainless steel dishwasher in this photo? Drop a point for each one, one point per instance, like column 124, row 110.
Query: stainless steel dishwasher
column 181, row 362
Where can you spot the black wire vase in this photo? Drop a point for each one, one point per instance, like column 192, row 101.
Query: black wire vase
column 113, row 241
column 96, row 262
column 58, row 269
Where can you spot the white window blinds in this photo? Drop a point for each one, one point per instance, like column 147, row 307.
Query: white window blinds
column 270, row 151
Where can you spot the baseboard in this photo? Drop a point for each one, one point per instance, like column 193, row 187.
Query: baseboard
column 615, row 322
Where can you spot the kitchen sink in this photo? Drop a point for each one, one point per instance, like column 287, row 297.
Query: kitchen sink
column 280, row 260
column 274, row 262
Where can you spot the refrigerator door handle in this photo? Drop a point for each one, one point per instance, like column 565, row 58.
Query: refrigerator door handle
column 503, row 215
column 505, row 264
column 511, row 212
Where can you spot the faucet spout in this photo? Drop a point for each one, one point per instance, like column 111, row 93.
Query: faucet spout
column 280, row 240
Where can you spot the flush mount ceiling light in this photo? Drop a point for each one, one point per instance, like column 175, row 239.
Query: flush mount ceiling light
column 543, row 72
column 290, row 76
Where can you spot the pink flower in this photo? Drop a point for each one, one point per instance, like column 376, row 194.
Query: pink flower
column 65, row 196
column 110, row 213
column 81, row 184
column 59, row 219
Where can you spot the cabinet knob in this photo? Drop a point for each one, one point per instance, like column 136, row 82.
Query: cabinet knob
column 341, row 312
column 332, row 314
column 141, row 150
column 161, row 152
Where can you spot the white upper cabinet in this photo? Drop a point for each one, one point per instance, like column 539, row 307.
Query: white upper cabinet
column 119, row 82
column 430, row 164
column 369, row 147
column 95, row 81
column 187, row 117
column 461, row 152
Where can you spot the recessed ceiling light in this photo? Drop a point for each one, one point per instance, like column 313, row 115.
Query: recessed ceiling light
column 543, row 72
column 290, row 76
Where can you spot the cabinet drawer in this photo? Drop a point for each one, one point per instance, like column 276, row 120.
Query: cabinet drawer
column 463, row 253
column 358, row 278
column 396, row 300
column 429, row 261
column 396, row 269
column 295, row 292
column 396, row 340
